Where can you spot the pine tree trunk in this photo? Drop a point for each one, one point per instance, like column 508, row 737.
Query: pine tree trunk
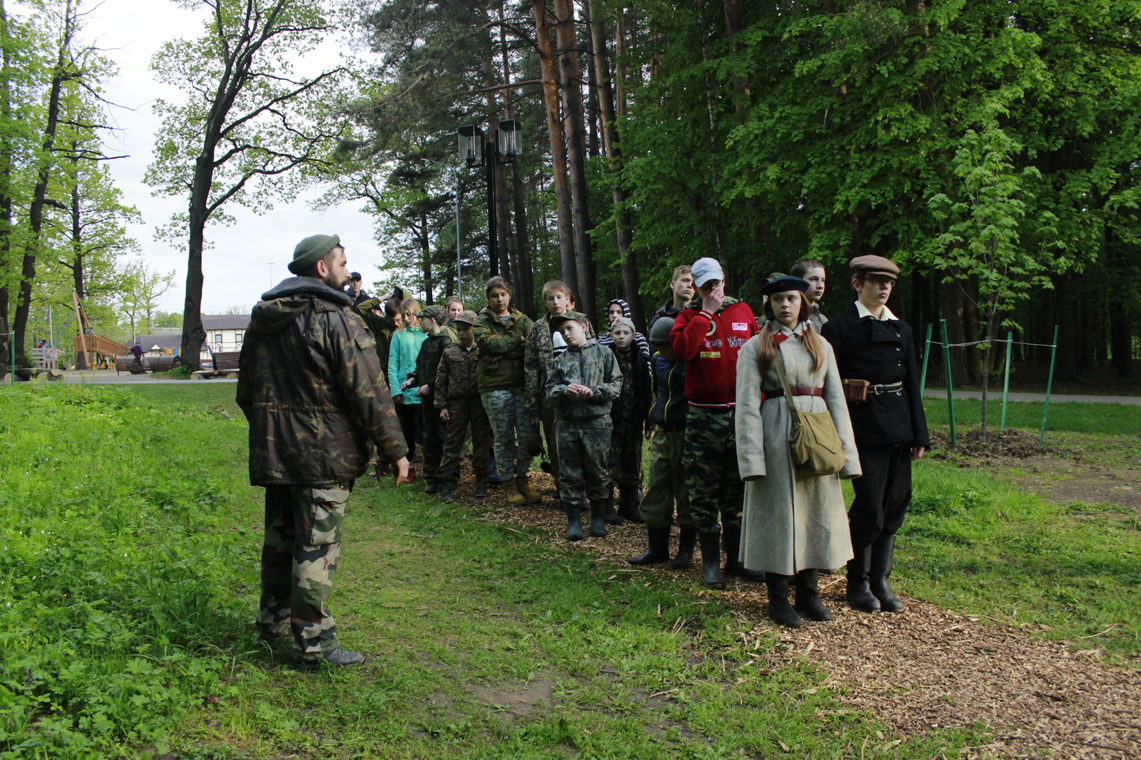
column 565, row 225
column 570, row 76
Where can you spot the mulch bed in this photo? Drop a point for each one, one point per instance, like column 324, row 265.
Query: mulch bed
column 921, row 671
column 1006, row 444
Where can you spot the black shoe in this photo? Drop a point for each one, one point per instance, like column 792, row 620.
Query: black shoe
column 628, row 499
column 432, row 487
column 859, row 595
column 685, row 544
column 733, row 565
column 608, row 514
column 882, row 558
column 659, row 550
column 574, row 523
column 446, row 494
column 338, row 658
column 480, row 492
column 545, row 467
column 597, row 523
column 711, row 559
column 779, row 608
column 808, row 597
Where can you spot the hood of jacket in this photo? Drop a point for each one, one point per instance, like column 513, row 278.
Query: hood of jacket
column 281, row 304
column 625, row 307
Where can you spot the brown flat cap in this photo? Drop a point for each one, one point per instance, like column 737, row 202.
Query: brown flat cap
column 874, row 265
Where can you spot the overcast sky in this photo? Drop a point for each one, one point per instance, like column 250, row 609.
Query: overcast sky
column 237, row 270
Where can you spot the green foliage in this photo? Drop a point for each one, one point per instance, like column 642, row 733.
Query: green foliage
column 116, row 567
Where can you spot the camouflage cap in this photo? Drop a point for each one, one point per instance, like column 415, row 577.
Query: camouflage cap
column 558, row 319
column 437, row 313
column 467, row 317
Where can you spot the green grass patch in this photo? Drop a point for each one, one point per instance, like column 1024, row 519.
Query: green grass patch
column 1074, row 416
column 128, row 586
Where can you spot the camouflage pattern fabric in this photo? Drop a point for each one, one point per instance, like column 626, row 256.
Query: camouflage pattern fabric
column 461, row 414
column 312, row 390
column 456, row 375
column 590, row 365
column 299, row 561
column 582, row 449
column 502, row 346
column 381, row 328
column 510, row 425
column 710, row 462
column 665, row 481
column 539, row 355
column 550, row 433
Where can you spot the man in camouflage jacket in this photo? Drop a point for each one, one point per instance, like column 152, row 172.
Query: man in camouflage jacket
column 312, row 391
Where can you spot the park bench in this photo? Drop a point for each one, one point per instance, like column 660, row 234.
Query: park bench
column 163, row 363
column 225, row 365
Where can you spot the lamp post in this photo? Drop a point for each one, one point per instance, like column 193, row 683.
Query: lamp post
column 501, row 149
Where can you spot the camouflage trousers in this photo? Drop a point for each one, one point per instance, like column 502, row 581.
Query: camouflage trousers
column 551, row 436
column 298, row 562
column 665, row 482
column 510, row 424
column 582, row 450
column 461, row 414
column 711, row 476
column 625, row 457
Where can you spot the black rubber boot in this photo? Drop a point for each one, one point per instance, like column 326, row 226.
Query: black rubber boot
column 883, row 555
column 659, row 550
column 779, row 608
column 808, row 597
column 432, row 487
column 860, row 596
column 711, row 559
column 597, row 524
column 685, row 544
column 628, row 500
column 574, row 523
column 608, row 514
column 733, row 565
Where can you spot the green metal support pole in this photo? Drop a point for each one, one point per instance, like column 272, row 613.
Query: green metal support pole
column 926, row 356
column 947, row 374
column 1049, row 384
column 1006, row 378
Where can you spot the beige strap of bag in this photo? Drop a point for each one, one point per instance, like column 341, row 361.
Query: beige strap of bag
column 813, row 444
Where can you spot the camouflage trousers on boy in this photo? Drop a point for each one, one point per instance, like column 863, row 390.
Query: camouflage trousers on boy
column 582, row 450
column 665, row 482
column 711, row 475
column 298, row 562
column 510, row 424
column 461, row 413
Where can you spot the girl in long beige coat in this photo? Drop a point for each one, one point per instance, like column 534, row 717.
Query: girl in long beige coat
column 792, row 524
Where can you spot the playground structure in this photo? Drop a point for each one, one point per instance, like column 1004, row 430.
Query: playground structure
column 88, row 343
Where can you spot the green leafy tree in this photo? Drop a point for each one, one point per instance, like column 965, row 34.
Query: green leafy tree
column 143, row 284
column 248, row 124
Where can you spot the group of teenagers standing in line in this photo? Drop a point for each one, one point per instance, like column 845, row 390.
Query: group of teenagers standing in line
column 706, row 388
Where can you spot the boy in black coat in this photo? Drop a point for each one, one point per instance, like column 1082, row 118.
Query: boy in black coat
column 872, row 344
column 629, row 416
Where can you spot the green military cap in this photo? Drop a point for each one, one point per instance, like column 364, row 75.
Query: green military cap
column 435, row 312
column 311, row 250
column 467, row 317
column 577, row 316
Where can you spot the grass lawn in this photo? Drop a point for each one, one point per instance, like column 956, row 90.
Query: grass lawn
column 128, row 584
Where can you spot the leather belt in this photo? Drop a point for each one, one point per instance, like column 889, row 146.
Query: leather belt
column 796, row 390
column 879, row 390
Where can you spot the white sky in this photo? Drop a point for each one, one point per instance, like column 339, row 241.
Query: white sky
column 237, row 268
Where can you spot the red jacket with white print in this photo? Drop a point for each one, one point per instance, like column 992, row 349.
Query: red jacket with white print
column 709, row 343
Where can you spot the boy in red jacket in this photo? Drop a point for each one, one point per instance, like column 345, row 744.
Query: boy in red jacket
column 708, row 334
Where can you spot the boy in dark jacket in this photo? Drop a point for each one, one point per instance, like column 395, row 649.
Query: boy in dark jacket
column 628, row 413
column 458, row 404
column 433, row 321
column 665, row 481
column 583, row 382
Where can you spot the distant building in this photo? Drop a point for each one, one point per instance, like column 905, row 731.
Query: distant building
column 224, row 332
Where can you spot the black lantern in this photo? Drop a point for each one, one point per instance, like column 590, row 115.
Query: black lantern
column 471, row 145
column 510, row 138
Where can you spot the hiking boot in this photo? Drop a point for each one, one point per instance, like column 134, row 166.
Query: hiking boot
column 511, row 493
column 597, row 523
column 779, row 608
column 711, row 559
column 659, row 549
column 523, row 486
column 337, row 658
column 685, row 544
column 808, row 597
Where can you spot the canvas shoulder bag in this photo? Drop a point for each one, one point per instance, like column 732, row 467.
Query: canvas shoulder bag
column 813, row 444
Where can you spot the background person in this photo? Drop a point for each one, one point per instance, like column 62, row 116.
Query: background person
column 615, row 310
column 792, row 525
column 681, row 291
column 402, row 355
column 872, row 344
column 356, row 289
column 628, row 413
column 459, row 405
column 306, row 357
column 438, row 336
column 812, row 272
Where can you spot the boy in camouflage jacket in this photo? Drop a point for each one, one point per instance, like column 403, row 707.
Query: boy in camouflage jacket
column 457, row 404
column 582, row 384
